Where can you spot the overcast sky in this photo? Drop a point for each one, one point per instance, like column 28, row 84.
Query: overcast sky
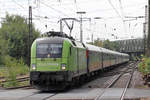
column 113, row 15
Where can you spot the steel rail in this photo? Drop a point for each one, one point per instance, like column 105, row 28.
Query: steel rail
column 50, row 97
column 18, row 79
column 99, row 96
column 112, row 82
column 26, row 86
column 127, row 85
column 27, row 97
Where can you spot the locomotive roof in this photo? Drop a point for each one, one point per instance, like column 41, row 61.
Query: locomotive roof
column 78, row 44
column 50, row 39
column 57, row 39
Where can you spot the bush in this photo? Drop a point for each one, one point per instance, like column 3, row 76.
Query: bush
column 144, row 66
column 18, row 66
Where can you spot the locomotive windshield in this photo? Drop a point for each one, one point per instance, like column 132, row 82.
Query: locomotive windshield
column 49, row 50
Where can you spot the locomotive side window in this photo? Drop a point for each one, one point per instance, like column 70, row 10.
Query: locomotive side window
column 49, row 51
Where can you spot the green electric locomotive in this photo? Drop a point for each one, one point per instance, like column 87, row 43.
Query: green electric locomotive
column 55, row 61
column 58, row 60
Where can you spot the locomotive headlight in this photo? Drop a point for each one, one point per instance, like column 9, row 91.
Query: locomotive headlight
column 63, row 66
column 33, row 66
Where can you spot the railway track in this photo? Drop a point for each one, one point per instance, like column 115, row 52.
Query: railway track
column 116, row 70
column 99, row 93
column 99, row 80
column 19, row 79
column 110, row 83
column 22, row 87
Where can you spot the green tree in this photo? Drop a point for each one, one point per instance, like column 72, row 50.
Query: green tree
column 111, row 45
column 106, row 44
column 3, row 49
column 98, row 42
column 14, row 30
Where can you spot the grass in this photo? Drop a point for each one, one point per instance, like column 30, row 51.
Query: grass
column 12, row 69
column 3, row 71
column 24, row 83
column 18, row 84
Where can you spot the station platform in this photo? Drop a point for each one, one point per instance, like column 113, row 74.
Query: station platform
column 75, row 94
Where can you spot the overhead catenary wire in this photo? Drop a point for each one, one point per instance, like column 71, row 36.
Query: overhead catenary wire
column 58, row 15
column 36, row 17
column 61, row 3
column 118, row 14
column 128, row 6
column 76, row 5
column 115, row 9
column 69, row 9
column 121, row 8
column 43, row 17
column 55, row 9
column 122, row 11
column 123, row 15
column 18, row 4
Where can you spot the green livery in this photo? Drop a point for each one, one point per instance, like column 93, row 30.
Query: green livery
column 70, row 56
column 70, row 63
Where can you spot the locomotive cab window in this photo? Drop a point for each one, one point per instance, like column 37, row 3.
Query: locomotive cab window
column 49, row 50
